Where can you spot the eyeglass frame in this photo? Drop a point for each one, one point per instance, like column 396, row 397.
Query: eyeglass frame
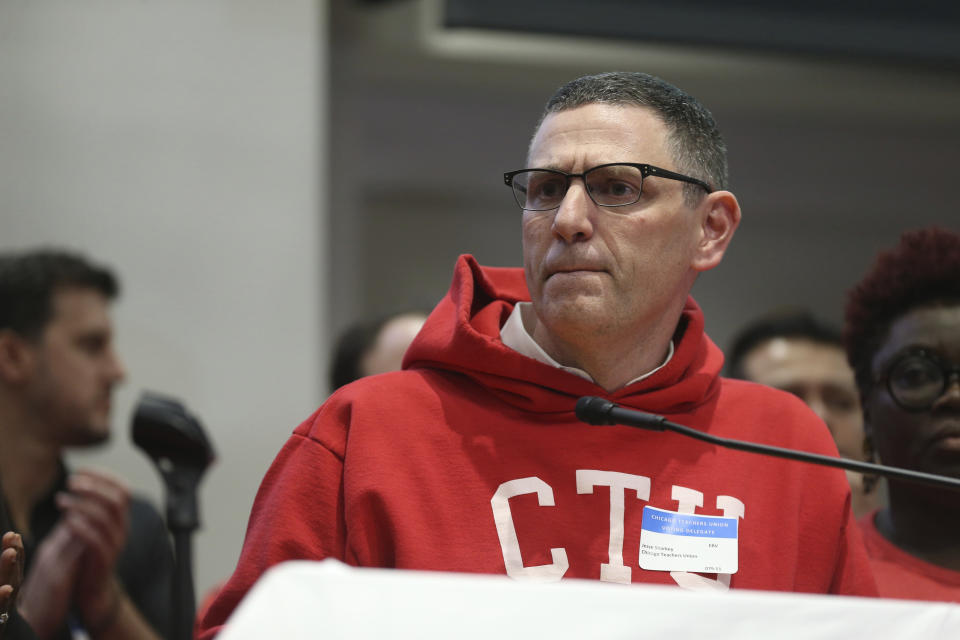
column 947, row 371
column 646, row 170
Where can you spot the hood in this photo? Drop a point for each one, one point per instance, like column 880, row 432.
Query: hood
column 462, row 335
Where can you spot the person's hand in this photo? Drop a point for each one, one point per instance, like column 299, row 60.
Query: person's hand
column 47, row 592
column 95, row 511
column 11, row 572
column 74, row 564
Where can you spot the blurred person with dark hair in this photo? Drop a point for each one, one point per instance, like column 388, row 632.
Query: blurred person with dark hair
column 472, row 458
column 97, row 561
column 375, row 346
column 792, row 351
column 902, row 332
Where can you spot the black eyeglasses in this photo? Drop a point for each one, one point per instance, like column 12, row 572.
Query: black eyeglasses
column 617, row 184
column 917, row 378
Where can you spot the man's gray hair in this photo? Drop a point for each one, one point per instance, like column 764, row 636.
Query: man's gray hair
column 695, row 141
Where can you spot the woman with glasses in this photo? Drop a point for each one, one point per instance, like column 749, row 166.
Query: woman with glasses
column 903, row 340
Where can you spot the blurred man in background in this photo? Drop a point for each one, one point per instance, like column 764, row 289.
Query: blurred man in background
column 97, row 560
column 369, row 347
column 902, row 331
column 794, row 352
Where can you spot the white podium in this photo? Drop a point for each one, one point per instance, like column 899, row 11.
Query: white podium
column 330, row 600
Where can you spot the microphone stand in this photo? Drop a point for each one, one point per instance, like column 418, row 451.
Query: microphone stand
column 177, row 444
column 597, row 411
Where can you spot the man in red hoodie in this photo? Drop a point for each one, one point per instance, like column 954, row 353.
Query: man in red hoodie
column 471, row 458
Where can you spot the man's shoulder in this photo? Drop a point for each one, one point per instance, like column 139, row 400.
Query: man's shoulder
column 394, row 389
column 370, row 400
column 144, row 513
column 770, row 415
column 146, row 526
column 146, row 564
column 147, row 555
column 762, row 398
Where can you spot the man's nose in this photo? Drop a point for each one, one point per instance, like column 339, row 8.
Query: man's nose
column 573, row 220
column 116, row 369
column 819, row 407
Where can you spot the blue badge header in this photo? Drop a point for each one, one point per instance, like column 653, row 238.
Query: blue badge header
column 682, row 524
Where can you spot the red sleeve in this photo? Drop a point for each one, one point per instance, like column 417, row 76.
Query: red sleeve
column 853, row 575
column 297, row 515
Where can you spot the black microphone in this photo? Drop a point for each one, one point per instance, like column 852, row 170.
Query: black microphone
column 594, row 410
column 178, row 445
column 597, row 411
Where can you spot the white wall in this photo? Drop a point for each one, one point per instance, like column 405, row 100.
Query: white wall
column 181, row 143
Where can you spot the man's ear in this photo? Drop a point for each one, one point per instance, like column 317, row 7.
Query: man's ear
column 17, row 358
column 720, row 216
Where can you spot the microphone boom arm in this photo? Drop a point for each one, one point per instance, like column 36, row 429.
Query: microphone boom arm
column 594, row 410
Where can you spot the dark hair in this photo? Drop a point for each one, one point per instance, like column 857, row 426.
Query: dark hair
column 29, row 279
column 354, row 343
column 796, row 324
column 696, row 143
column 922, row 270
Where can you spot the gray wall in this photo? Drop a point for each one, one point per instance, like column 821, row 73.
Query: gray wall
column 180, row 142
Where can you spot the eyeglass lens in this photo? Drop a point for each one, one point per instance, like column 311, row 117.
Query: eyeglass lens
column 916, row 382
column 610, row 186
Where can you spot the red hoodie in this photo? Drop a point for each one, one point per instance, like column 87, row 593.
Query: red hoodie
column 471, row 459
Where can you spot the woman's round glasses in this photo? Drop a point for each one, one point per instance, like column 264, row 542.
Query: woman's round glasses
column 918, row 378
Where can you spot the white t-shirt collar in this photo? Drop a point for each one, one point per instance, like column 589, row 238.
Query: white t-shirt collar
column 514, row 335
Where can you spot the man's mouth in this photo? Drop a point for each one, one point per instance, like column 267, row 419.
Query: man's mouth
column 575, row 270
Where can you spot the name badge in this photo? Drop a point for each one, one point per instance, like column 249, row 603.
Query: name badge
column 672, row 541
